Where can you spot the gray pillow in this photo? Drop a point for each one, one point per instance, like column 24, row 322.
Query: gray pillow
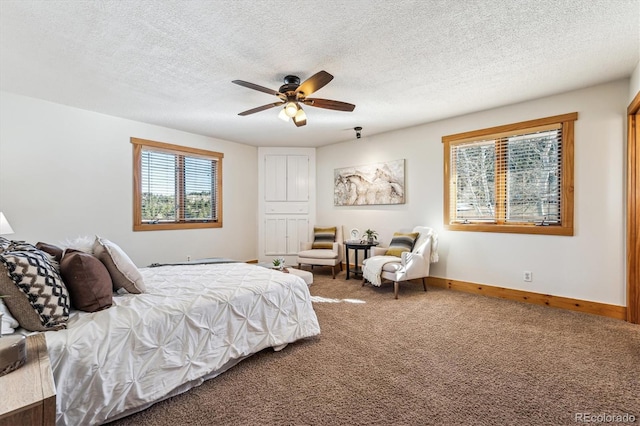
column 402, row 242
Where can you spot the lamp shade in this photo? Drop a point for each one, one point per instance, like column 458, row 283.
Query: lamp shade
column 300, row 118
column 5, row 228
column 291, row 109
column 283, row 115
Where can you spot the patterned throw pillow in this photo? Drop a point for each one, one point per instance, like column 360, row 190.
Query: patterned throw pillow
column 36, row 295
column 20, row 246
column 402, row 242
column 323, row 238
column 4, row 244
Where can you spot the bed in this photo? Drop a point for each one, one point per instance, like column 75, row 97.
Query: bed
column 192, row 323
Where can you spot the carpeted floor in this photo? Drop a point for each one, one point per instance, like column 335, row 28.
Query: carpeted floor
column 435, row 358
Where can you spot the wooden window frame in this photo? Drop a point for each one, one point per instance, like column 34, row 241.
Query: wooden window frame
column 566, row 121
column 138, row 224
column 633, row 210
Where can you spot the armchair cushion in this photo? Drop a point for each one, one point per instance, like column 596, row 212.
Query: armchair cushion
column 324, row 238
column 401, row 242
column 318, row 254
column 392, row 267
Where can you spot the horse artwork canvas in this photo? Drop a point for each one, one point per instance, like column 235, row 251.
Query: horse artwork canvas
column 379, row 183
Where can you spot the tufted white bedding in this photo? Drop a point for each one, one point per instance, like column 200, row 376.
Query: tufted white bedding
column 193, row 323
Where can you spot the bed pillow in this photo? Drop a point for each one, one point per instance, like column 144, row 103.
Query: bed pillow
column 87, row 280
column 9, row 323
column 402, row 242
column 36, row 295
column 54, row 251
column 123, row 271
column 323, row 238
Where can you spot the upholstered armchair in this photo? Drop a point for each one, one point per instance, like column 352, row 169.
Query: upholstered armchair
column 325, row 250
column 401, row 261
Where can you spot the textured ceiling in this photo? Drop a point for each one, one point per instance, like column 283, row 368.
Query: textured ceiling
column 401, row 62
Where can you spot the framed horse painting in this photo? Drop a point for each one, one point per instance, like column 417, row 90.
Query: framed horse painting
column 379, row 183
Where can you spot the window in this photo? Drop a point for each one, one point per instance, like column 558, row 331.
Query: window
column 516, row 178
column 175, row 187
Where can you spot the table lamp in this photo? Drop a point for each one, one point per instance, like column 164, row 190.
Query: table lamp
column 5, row 228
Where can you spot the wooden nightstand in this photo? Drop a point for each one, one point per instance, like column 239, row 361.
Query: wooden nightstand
column 28, row 394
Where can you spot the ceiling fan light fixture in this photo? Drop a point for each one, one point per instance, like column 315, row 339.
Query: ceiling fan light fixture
column 291, row 109
column 300, row 116
column 300, row 119
column 292, row 94
column 283, row 115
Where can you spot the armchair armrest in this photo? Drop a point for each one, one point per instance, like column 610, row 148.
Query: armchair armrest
column 406, row 257
column 305, row 246
column 415, row 264
column 378, row 251
column 337, row 249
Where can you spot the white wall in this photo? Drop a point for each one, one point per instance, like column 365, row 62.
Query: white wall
column 588, row 266
column 67, row 172
column 634, row 83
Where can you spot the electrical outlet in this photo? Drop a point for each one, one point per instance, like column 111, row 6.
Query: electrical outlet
column 188, row 258
column 527, row 276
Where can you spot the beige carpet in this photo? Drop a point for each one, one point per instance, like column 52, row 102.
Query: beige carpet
column 435, row 358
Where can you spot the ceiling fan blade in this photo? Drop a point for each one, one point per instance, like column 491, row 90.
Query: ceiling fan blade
column 261, row 108
column 329, row 104
column 256, row 87
column 314, row 83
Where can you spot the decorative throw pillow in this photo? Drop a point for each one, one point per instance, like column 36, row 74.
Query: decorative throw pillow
column 87, row 280
column 36, row 295
column 4, row 244
column 54, row 251
column 123, row 271
column 323, row 238
column 402, row 242
column 21, row 246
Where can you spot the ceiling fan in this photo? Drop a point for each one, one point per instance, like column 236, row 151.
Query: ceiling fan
column 292, row 94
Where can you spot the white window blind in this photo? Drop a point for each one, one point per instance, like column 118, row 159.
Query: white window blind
column 159, row 201
column 508, row 178
column 177, row 188
column 474, row 181
column 532, row 166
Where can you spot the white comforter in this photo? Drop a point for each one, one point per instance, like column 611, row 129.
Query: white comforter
column 193, row 323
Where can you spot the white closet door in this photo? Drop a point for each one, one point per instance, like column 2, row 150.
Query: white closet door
column 297, row 232
column 275, row 242
column 283, row 235
column 297, row 178
column 287, row 200
column 275, row 178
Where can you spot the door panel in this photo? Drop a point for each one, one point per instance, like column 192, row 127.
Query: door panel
column 275, row 236
column 297, row 178
column 275, row 178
